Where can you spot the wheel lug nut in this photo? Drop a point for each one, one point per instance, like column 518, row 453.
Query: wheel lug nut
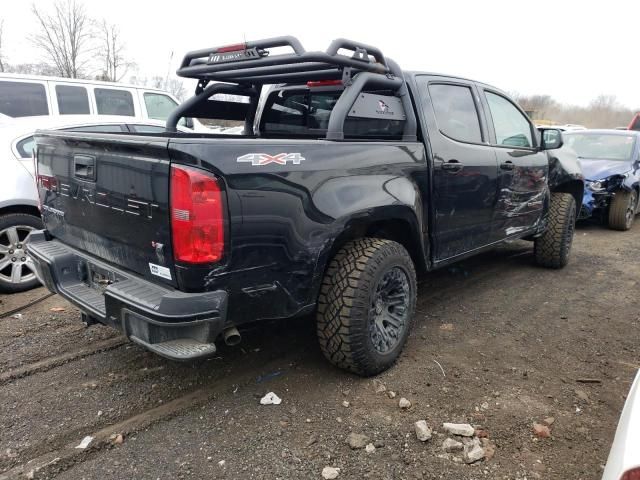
column 10, row 251
column 23, row 259
column 13, row 259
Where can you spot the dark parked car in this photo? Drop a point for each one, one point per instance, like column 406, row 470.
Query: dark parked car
column 351, row 178
column 610, row 161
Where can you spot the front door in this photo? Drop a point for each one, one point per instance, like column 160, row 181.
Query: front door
column 465, row 169
column 523, row 168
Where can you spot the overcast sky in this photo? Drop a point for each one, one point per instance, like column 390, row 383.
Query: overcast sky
column 572, row 50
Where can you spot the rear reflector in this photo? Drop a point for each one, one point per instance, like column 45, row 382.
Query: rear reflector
column 197, row 216
column 631, row 475
column 323, row 83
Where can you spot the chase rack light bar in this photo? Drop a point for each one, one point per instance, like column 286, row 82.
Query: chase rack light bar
column 244, row 68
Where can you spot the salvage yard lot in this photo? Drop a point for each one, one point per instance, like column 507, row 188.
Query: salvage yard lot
column 514, row 342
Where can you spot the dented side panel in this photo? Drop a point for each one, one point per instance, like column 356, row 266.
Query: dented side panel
column 286, row 215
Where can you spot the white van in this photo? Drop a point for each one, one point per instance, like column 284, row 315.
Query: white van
column 32, row 95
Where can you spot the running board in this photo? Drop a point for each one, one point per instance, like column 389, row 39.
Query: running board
column 182, row 349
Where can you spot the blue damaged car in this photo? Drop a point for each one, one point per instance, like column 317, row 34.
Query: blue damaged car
column 610, row 161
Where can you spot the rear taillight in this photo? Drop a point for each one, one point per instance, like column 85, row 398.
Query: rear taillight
column 631, row 475
column 197, row 216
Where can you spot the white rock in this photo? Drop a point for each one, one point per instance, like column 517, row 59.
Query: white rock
column 472, row 453
column 221, row 463
column 270, row 399
column 391, row 394
column 462, row 429
column 450, row 445
column 85, row 442
column 346, row 404
column 423, row 432
column 404, row 403
column 370, row 448
column 329, row 473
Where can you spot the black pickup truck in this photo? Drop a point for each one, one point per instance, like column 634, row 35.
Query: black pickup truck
column 351, row 178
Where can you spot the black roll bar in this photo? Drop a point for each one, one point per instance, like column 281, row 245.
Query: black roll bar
column 245, row 68
column 211, row 90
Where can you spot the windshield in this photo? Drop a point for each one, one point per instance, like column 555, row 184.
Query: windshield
column 600, row 146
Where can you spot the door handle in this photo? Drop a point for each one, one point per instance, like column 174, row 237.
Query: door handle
column 452, row 166
column 508, row 165
column 84, row 167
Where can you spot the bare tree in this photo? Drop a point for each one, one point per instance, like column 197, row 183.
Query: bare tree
column 64, row 36
column 114, row 64
column 31, row 69
column 176, row 87
column 1, row 56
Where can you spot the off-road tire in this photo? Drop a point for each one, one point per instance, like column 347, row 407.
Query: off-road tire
column 622, row 210
column 552, row 248
column 344, row 304
column 18, row 220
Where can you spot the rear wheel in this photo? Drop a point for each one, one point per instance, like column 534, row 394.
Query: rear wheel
column 17, row 272
column 622, row 210
column 366, row 305
column 552, row 248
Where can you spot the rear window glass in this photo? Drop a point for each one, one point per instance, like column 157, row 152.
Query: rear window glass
column 25, row 147
column 159, row 106
column 114, row 102
column 20, row 99
column 307, row 113
column 456, row 112
column 72, row 100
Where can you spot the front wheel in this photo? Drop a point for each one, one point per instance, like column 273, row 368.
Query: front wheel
column 622, row 210
column 552, row 248
column 17, row 272
column 366, row 305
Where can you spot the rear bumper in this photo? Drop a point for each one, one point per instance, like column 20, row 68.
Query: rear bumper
column 174, row 324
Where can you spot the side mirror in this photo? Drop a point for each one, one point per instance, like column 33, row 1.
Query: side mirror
column 551, row 138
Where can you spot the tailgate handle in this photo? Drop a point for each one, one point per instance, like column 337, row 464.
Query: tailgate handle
column 84, row 167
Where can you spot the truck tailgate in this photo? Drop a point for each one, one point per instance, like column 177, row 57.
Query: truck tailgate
column 108, row 195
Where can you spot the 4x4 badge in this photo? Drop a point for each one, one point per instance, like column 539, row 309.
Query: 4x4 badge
column 257, row 159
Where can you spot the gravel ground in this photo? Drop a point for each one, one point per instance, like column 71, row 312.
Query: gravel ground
column 497, row 343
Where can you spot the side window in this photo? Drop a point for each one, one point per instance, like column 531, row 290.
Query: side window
column 114, row 102
column 21, row 99
column 456, row 112
column 147, row 128
column 511, row 126
column 159, row 106
column 25, row 147
column 72, row 100
column 116, row 128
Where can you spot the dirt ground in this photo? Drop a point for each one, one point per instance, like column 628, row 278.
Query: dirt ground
column 497, row 342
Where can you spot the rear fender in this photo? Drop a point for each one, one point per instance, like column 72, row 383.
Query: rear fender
column 393, row 210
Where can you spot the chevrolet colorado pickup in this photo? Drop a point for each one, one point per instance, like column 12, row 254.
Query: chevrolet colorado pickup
column 351, row 178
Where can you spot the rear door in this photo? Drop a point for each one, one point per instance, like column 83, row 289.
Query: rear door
column 108, row 195
column 523, row 168
column 465, row 170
